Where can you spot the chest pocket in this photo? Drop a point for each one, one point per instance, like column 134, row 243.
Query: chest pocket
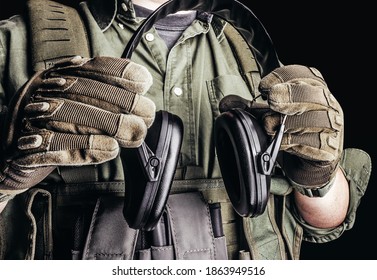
column 226, row 85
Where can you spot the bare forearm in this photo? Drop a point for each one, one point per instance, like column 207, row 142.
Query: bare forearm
column 328, row 211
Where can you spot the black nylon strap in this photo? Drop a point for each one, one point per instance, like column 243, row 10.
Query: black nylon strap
column 79, row 174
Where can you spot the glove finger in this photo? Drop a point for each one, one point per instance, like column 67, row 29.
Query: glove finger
column 321, row 147
column 291, row 74
column 118, row 72
column 309, row 136
column 308, row 122
column 18, row 179
column 232, row 101
column 78, row 118
column 291, row 99
column 46, row 148
column 101, row 95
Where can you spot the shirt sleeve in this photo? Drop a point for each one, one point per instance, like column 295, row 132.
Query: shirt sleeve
column 2, row 66
column 356, row 165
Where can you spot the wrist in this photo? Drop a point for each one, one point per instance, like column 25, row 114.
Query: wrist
column 310, row 191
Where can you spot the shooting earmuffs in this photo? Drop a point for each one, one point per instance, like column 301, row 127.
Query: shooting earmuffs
column 245, row 158
column 149, row 171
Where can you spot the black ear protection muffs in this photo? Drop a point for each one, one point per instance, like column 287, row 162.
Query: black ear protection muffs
column 149, row 171
column 246, row 159
column 240, row 142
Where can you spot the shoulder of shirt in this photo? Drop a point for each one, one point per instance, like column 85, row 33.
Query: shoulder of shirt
column 218, row 25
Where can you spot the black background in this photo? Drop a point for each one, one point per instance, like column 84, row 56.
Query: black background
column 336, row 39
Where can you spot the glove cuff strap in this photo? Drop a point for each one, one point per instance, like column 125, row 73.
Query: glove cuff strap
column 314, row 192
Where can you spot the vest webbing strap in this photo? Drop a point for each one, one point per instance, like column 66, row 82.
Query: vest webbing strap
column 110, row 237
column 82, row 174
column 57, row 32
column 244, row 56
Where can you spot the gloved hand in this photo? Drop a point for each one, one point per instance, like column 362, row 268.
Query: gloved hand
column 103, row 95
column 313, row 140
column 77, row 113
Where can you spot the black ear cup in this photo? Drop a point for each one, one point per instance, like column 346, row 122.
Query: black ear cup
column 239, row 141
column 149, row 171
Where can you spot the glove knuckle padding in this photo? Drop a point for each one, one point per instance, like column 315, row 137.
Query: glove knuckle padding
column 291, row 73
column 49, row 148
column 112, row 84
column 94, row 92
column 297, row 98
column 76, row 117
column 110, row 70
column 16, row 180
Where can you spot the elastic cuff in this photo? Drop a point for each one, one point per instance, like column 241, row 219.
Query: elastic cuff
column 314, row 192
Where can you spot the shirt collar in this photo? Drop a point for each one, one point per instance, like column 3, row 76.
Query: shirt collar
column 105, row 11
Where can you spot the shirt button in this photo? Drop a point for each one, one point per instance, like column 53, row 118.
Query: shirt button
column 124, row 7
column 121, row 26
column 149, row 37
column 177, row 91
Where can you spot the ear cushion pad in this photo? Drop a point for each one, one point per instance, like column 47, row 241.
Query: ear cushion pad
column 146, row 197
column 239, row 141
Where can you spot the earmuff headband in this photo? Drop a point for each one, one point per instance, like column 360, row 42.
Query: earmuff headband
column 232, row 11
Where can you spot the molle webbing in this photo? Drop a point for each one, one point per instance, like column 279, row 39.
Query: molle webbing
column 191, row 228
column 109, row 237
column 57, row 32
column 244, row 56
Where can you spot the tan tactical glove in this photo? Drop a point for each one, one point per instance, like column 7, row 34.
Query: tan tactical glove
column 313, row 140
column 77, row 113
column 103, row 95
